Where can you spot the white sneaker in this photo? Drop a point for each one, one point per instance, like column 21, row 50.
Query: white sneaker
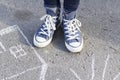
column 73, row 35
column 45, row 33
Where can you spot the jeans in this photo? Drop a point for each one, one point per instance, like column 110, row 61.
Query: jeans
column 69, row 5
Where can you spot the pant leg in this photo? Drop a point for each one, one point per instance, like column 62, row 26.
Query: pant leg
column 52, row 3
column 70, row 8
column 71, row 5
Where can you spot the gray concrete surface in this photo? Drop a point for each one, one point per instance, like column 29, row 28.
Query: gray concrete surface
column 99, row 60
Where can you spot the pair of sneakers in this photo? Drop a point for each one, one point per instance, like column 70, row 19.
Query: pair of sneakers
column 72, row 34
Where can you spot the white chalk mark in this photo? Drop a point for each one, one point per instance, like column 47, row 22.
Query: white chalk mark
column 3, row 48
column 43, row 72
column 44, row 64
column 104, row 70
column 16, row 75
column 116, row 76
column 76, row 75
column 57, row 79
column 16, row 27
column 8, row 30
column 93, row 67
column 17, row 51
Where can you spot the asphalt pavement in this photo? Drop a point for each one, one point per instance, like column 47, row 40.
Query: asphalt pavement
column 99, row 59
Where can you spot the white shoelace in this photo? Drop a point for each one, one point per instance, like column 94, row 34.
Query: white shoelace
column 72, row 25
column 48, row 24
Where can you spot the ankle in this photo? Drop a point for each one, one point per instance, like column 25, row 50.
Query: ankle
column 55, row 11
column 69, row 15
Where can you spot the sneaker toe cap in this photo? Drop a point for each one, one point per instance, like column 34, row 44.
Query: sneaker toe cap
column 75, row 44
column 40, row 39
